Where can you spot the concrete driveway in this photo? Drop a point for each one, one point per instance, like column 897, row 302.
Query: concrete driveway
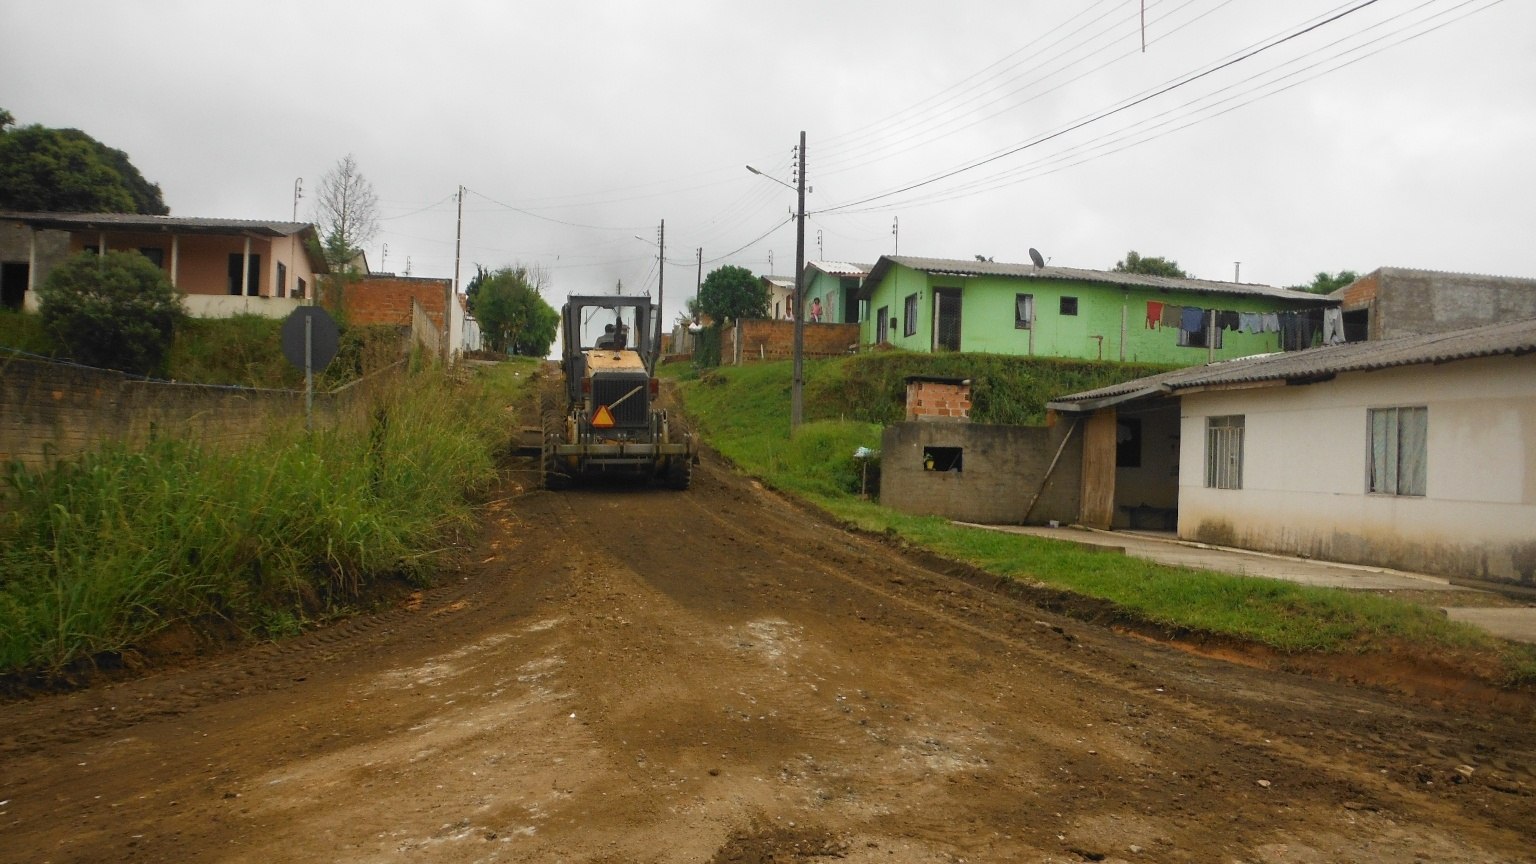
column 1499, row 616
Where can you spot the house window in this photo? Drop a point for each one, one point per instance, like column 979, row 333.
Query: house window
column 943, row 458
column 909, row 322
column 1399, row 441
column 1224, row 452
column 883, row 325
column 1069, row 305
column 282, row 279
column 155, row 255
column 298, row 290
column 1023, row 311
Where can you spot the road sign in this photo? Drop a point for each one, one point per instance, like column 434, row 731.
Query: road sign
column 323, row 337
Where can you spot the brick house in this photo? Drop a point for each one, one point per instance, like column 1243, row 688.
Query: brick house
column 222, row 266
column 1397, row 301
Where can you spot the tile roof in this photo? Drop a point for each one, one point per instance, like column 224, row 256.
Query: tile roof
column 1318, row 364
column 955, row 267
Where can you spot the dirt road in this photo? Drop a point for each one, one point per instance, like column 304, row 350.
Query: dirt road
column 716, row 676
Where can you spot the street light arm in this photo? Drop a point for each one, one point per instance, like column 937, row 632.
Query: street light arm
column 773, row 178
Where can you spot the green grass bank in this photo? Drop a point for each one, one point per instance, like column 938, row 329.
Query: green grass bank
column 98, row 553
column 743, row 413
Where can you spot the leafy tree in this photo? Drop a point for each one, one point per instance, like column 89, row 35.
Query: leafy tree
column 513, row 316
column 54, row 170
column 347, row 213
column 1135, row 263
column 116, row 311
column 1326, row 283
column 733, row 293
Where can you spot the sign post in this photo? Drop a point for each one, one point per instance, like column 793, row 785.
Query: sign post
column 310, row 340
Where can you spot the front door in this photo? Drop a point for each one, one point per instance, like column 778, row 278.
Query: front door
column 1098, row 479
column 946, row 319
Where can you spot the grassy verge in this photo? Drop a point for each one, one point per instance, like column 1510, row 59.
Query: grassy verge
column 98, row 553
column 742, row 412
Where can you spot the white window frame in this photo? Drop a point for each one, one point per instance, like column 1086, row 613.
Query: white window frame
column 1224, row 451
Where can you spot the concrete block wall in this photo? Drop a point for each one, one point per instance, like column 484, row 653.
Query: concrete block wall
column 1001, row 470
column 935, row 400
column 756, row 340
column 53, row 410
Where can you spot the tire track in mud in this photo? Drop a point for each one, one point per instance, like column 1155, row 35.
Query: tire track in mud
column 1422, row 749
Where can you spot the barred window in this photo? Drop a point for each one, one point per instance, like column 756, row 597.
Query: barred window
column 1224, row 452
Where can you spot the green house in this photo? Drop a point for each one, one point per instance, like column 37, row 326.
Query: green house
column 937, row 304
column 835, row 284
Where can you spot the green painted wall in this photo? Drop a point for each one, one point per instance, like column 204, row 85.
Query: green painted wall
column 987, row 318
column 833, row 298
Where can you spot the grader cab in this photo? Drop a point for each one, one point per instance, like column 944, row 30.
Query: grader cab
column 609, row 424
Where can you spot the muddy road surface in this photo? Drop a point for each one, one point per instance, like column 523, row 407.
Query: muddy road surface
column 622, row 675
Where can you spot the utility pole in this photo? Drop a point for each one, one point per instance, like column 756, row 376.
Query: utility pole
column 797, row 394
column 661, row 281
column 698, row 284
column 453, row 294
column 896, row 232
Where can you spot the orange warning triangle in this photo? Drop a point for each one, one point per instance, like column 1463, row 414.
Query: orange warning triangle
column 602, row 418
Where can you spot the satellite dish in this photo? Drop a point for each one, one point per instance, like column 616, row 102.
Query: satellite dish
column 1034, row 255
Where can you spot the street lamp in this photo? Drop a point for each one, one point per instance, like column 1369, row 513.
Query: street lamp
column 797, row 390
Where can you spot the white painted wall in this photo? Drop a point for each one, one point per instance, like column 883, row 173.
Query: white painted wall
column 1306, row 466
column 226, row 305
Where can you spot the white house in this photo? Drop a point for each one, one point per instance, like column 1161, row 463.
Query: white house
column 1417, row 452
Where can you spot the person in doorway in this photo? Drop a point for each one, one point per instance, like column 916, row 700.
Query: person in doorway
column 816, row 311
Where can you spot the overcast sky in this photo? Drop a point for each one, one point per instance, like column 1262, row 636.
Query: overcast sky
column 1399, row 134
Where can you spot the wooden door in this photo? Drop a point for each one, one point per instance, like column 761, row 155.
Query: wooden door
column 1098, row 493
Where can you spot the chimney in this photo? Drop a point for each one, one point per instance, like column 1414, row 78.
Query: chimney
column 934, row 398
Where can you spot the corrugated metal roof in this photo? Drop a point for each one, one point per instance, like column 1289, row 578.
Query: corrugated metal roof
column 140, row 222
column 1316, row 364
column 972, row 268
column 839, row 268
column 781, row 281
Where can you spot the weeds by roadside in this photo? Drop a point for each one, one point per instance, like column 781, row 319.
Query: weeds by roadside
column 99, row 552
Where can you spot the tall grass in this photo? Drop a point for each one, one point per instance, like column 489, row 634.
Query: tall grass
column 95, row 554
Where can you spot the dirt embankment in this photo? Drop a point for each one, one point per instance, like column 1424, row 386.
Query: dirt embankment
column 644, row 675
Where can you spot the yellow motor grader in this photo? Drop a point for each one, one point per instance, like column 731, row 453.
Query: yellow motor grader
column 610, row 424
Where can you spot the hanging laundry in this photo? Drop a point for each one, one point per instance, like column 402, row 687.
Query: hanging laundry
column 1171, row 315
column 1193, row 319
column 1250, row 322
column 1333, row 326
column 1271, row 322
column 1154, row 314
column 1227, row 320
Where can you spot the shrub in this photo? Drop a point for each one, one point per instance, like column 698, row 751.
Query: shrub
column 116, row 311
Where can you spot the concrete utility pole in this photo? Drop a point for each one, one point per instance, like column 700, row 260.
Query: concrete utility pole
column 797, row 394
column 661, row 281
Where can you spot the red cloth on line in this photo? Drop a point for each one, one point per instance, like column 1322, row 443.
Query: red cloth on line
column 1154, row 314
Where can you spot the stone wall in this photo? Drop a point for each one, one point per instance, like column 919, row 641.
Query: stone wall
column 1000, row 468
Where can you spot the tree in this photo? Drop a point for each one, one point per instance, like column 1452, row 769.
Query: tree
column 733, row 293
column 1324, row 283
column 1134, row 263
column 53, row 170
column 346, row 213
column 116, row 311
column 513, row 317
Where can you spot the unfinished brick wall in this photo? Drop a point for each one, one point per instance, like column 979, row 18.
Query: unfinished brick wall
column 938, row 399
column 387, row 300
column 760, row 339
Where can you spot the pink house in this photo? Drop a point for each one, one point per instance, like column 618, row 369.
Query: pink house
column 223, row 266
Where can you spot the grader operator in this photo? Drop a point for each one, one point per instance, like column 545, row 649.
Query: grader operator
column 610, row 424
